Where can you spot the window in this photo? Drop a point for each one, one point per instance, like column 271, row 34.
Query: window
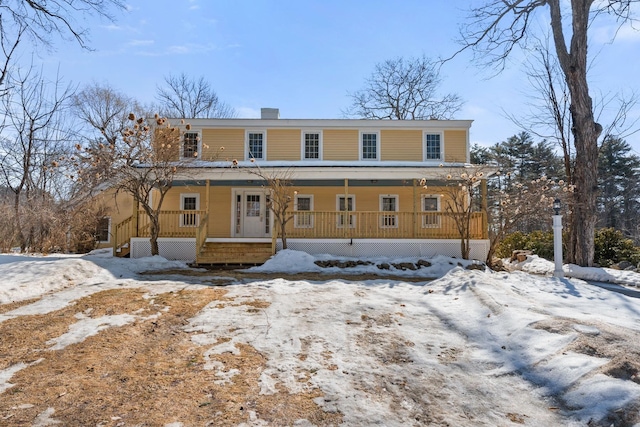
column 389, row 203
column 103, row 230
column 303, row 204
column 433, row 146
column 311, row 145
column 430, row 204
column 189, row 202
column 190, row 145
column 369, row 146
column 346, row 204
column 256, row 145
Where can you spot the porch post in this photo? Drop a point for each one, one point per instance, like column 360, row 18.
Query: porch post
column 485, row 213
column 415, row 208
column 134, row 219
column 206, row 198
column 345, row 221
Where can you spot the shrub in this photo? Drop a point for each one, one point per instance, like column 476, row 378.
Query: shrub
column 612, row 247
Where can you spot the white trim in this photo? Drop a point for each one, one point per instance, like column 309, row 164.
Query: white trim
column 303, row 220
column 328, row 124
column 235, row 191
column 304, row 132
column 189, row 220
column 427, row 222
column 108, row 230
column 352, row 218
column 424, row 146
column 198, row 145
column 360, row 144
column 264, row 143
column 387, row 220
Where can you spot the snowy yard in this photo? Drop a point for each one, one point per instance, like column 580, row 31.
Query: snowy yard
column 93, row 340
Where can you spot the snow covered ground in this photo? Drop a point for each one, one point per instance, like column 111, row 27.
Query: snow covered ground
column 470, row 348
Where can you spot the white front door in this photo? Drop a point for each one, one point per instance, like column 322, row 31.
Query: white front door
column 254, row 216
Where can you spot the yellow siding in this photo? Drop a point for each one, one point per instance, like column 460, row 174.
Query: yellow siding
column 231, row 139
column 220, row 212
column 455, row 146
column 340, row 144
column 283, row 144
column 401, row 145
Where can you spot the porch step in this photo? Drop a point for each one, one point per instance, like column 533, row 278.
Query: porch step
column 123, row 251
column 234, row 253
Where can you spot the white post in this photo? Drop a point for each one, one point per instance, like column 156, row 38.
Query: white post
column 557, row 245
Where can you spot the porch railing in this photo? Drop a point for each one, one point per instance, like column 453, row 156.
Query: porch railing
column 122, row 234
column 380, row 225
column 172, row 223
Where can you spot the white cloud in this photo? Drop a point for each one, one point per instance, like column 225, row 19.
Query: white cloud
column 141, row 42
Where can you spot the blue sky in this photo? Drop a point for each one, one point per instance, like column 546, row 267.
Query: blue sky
column 303, row 57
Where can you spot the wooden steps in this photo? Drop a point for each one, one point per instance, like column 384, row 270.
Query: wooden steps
column 234, row 253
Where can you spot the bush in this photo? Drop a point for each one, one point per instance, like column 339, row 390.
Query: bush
column 611, row 246
column 538, row 242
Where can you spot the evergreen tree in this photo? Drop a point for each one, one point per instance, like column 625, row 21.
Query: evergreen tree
column 619, row 182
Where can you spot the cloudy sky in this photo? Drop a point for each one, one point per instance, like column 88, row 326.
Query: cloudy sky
column 304, row 57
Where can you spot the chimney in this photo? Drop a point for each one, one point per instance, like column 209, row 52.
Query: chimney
column 269, row 113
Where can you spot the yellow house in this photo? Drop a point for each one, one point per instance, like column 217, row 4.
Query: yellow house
column 355, row 188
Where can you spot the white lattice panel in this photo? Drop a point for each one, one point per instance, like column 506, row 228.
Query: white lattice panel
column 173, row 249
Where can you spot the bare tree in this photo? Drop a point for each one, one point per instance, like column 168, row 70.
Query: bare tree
column 39, row 20
column 35, row 141
column 498, row 26
column 145, row 163
column 279, row 184
column 186, row 97
column 105, row 111
column 403, row 89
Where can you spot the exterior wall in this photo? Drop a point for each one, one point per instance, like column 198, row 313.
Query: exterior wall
column 231, row 139
column 119, row 207
column 220, row 202
column 455, row 146
column 401, row 145
column 283, row 144
column 340, row 144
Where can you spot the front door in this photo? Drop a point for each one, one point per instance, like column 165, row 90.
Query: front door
column 254, row 218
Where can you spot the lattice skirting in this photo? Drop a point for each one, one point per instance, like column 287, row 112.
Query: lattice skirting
column 387, row 247
column 182, row 249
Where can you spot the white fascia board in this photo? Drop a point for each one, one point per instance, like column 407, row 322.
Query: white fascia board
column 327, row 172
column 327, row 124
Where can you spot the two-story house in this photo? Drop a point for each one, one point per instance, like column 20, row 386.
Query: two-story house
column 356, row 187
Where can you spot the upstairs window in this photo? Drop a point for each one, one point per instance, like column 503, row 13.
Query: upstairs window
column 255, row 145
column 433, row 146
column 190, row 145
column 311, row 146
column 369, row 148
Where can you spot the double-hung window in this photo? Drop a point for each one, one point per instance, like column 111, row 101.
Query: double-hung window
column 256, row 146
column 389, row 203
column 344, row 206
column 433, row 146
column 430, row 207
column 189, row 202
column 190, row 145
column 303, row 206
column 103, row 230
column 369, row 146
column 311, row 146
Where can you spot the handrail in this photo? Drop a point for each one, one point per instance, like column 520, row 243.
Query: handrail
column 201, row 233
column 122, row 234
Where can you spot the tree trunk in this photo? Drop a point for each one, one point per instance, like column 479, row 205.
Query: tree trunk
column 154, row 230
column 585, row 130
